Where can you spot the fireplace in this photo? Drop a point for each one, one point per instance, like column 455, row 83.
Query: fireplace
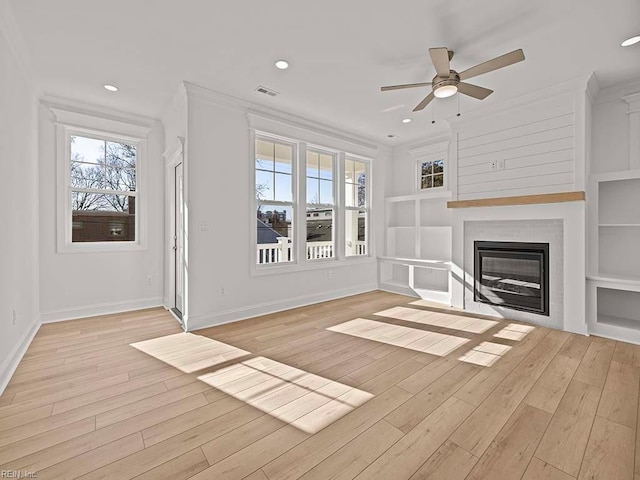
column 512, row 275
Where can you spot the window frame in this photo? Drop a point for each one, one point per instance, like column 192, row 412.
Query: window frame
column 300, row 261
column 292, row 204
column 335, row 206
column 366, row 207
column 70, row 124
column 432, row 159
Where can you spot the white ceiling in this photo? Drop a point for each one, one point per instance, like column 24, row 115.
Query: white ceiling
column 340, row 51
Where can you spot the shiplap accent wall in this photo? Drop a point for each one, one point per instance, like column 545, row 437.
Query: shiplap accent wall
column 536, row 144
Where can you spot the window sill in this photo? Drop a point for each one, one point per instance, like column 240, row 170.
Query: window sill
column 318, row 264
column 101, row 247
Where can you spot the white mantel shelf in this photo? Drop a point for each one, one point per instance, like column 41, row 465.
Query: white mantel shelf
column 519, row 200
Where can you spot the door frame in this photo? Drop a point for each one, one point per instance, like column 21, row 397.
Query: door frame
column 174, row 156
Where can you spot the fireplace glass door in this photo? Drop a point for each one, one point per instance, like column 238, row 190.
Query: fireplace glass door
column 513, row 275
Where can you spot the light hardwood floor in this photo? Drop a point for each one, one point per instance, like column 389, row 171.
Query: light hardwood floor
column 375, row 386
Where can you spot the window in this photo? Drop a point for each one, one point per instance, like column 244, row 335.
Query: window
column 102, row 189
column 431, row 174
column 356, row 208
column 100, row 182
column 274, row 198
column 312, row 204
column 320, row 205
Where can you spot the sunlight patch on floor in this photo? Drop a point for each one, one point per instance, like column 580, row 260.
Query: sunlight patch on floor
column 189, row 352
column 412, row 338
column 438, row 319
column 514, row 331
column 306, row 401
column 485, row 354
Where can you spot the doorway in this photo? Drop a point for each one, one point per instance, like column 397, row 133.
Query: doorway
column 178, row 242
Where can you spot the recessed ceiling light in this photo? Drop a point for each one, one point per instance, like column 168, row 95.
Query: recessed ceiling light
column 630, row 41
column 282, row 64
column 111, row 88
column 406, row 120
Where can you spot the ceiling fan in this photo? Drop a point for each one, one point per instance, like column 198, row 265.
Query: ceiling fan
column 447, row 82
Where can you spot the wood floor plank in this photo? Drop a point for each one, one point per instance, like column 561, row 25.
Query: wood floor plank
column 357, row 455
column 619, row 401
column 479, row 430
column 565, row 440
column 480, row 387
column 539, row 470
column 450, row 462
column 595, row 364
column 547, row 392
column 416, row 409
column 509, row 454
column 226, row 445
column 627, row 353
column 89, row 461
column 180, row 468
column 247, row 460
column 406, row 456
column 78, row 445
column 609, row 453
column 314, row 450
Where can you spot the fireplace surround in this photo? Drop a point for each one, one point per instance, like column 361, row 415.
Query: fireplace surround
column 513, row 275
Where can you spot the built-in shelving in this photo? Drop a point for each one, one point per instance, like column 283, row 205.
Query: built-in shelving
column 614, row 235
column 417, row 256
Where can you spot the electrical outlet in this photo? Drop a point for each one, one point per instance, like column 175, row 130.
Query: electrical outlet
column 149, row 280
column 222, row 291
column 329, row 274
column 494, row 165
column 15, row 316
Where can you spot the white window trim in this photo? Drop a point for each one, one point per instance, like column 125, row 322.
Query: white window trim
column 70, row 123
column 300, row 261
column 366, row 208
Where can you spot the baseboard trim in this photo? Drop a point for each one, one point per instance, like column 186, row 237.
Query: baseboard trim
column 100, row 309
column 10, row 364
column 235, row 315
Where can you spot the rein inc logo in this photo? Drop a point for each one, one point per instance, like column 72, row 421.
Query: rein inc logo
column 17, row 474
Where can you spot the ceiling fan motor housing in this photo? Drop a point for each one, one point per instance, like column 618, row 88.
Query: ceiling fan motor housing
column 452, row 79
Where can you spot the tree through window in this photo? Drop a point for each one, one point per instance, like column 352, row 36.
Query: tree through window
column 103, row 190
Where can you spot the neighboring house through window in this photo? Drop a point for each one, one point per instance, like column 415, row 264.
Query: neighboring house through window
column 325, row 195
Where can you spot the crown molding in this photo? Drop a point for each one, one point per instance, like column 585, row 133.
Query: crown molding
column 261, row 117
column 70, row 112
column 615, row 93
column 176, row 148
column 579, row 84
column 634, row 102
column 11, row 32
column 83, row 118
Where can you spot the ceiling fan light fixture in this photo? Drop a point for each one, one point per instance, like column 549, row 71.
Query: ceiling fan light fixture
column 630, row 41
column 445, row 91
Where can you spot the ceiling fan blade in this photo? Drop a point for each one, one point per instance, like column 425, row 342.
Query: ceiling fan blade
column 440, row 59
column 494, row 64
column 407, row 85
column 474, row 90
column 424, row 102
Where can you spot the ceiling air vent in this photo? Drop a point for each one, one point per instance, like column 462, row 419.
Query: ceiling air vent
column 266, row 91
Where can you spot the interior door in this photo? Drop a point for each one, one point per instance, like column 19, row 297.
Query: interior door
column 179, row 240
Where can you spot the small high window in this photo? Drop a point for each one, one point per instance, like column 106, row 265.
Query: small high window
column 431, row 174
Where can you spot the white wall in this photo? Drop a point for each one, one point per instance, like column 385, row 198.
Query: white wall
column 19, row 197
column 75, row 285
column 219, row 194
